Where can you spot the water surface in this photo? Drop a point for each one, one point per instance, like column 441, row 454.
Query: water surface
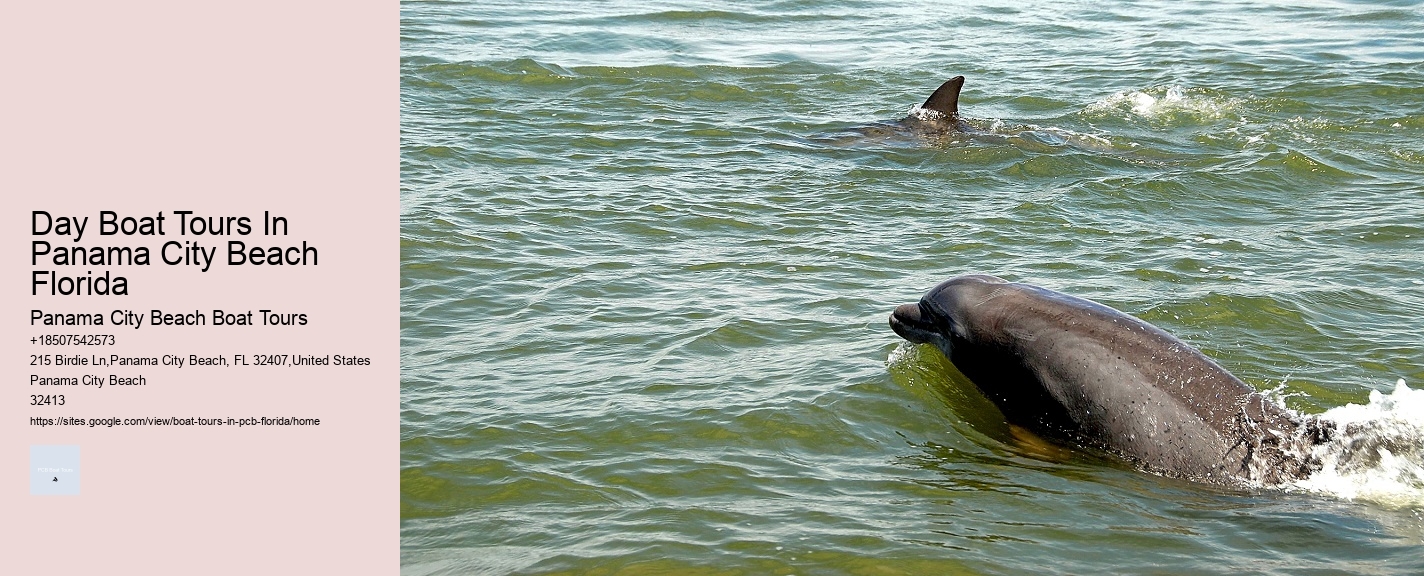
column 649, row 250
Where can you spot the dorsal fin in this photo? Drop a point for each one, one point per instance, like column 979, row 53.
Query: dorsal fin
column 945, row 100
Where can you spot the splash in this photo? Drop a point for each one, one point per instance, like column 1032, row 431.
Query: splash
column 903, row 353
column 1377, row 453
column 926, row 115
column 1144, row 104
column 1169, row 103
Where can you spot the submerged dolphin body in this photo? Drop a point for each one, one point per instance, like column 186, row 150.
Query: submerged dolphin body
column 1084, row 373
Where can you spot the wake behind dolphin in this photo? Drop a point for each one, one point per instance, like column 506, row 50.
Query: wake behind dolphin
column 1083, row 373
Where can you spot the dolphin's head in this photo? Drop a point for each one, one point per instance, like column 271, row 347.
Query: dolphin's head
column 942, row 316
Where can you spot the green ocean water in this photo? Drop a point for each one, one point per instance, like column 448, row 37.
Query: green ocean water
column 648, row 251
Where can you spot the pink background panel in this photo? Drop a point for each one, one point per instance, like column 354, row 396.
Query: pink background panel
column 224, row 109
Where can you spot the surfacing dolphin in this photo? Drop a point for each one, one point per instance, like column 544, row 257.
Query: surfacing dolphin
column 940, row 112
column 1080, row 372
column 938, row 122
column 935, row 119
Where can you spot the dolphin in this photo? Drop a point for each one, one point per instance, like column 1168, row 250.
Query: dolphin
column 940, row 112
column 935, row 119
column 1082, row 373
column 937, row 122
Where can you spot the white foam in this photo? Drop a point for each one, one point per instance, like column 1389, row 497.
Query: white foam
column 1142, row 103
column 1377, row 453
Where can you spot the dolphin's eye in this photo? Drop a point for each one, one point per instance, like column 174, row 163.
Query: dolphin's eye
column 929, row 313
